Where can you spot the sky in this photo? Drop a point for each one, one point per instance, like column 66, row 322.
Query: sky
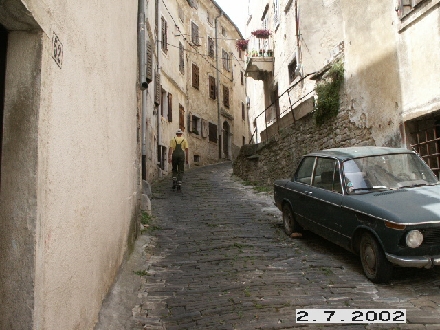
column 237, row 10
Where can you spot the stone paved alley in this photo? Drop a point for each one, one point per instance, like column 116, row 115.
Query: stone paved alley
column 216, row 257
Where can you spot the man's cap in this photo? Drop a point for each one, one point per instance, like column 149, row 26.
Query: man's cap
column 179, row 131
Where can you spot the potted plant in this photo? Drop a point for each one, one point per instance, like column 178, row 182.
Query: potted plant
column 241, row 44
column 261, row 33
column 269, row 52
column 261, row 52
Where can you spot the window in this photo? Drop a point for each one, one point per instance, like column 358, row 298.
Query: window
column 212, row 132
column 244, row 140
column 209, row 18
column 243, row 112
column 407, row 6
column 195, row 125
column 293, row 73
column 212, row 87
column 226, row 96
column 225, row 57
column 305, row 169
column 164, row 36
column 211, row 47
column 327, row 175
column 170, row 107
column 163, row 103
column 181, row 58
column 181, row 14
column 223, row 31
column 181, row 117
column 196, row 158
column 276, row 12
column 195, row 76
column 194, row 33
column 242, row 77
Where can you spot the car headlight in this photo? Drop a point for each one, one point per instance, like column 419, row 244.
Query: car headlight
column 414, row 238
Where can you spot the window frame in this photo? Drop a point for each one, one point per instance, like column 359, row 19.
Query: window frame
column 164, row 35
column 195, row 76
column 195, row 35
column 181, row 58
column 226, row 96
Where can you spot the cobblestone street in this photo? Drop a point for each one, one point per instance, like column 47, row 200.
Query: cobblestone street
column 216, row 257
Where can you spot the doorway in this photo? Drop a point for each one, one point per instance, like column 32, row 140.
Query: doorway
column 226, row 133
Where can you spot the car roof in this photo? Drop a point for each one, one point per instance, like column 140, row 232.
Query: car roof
column 358, row 152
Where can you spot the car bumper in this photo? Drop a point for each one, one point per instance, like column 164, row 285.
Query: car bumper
column 417, row 262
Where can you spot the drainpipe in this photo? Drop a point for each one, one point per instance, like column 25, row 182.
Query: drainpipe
column 219, row 129
column 143, row 84
column 159, row 135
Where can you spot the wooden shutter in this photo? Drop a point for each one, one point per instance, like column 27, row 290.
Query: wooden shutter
column 181, row 58
column 195, row 76
column 194, row 33
column 210, row 47
column 170, row 107
column 190, row 122
column 181, row 117
column 164, row 35
column 226, row 96
column 149, row 66
column 158, row 89
column 212, row 87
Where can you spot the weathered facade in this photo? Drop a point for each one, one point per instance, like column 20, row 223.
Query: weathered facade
column 69, row 158
column 201, row 88
column 388, row 92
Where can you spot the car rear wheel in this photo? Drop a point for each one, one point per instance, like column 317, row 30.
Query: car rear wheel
column 290, row 225
column 374, row 262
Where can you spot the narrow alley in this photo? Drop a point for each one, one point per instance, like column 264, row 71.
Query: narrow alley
column 215, row 257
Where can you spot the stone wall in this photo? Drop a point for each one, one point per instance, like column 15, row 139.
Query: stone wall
column 278, row 157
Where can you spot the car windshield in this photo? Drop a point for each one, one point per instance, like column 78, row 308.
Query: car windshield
column 393, row 171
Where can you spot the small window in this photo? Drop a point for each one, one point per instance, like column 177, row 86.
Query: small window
column 181, row 14
column 195, row 125
column 243, row 112
column 164, row 35
column 194, row 33
column 196, row 158
column 181, row 58
column 209, row 17
column 211, row 47
column 225, row 57
column 242, row 77
column 195, row 76
column 170, row 107
column 212, row 132
column 212, row 87
column 293, row 73
column 226, row 96
column 244, row 140
column 223, row 31
column 305, row 169
column 181, row 117
column 327, row 175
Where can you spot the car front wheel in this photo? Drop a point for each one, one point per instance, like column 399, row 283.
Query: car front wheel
column 290, row 225
column 374, row 262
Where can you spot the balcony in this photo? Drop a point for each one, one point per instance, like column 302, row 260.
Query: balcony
column 260, row 60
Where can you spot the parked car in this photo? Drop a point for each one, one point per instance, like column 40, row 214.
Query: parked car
column 380, row 203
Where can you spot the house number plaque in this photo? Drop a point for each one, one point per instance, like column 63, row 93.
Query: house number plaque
column 57, row 54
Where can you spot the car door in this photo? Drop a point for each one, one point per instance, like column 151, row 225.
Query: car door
column 299, row 188
column 325, row 199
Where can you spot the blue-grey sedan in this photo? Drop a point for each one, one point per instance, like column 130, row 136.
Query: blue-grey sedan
column 381, row 203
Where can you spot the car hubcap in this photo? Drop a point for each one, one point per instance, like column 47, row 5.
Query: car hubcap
column 370, row 258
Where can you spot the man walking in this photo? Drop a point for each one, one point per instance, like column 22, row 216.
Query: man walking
column 177, row 155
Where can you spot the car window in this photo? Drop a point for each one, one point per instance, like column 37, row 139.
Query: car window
column 305, row 169
column 327, row 175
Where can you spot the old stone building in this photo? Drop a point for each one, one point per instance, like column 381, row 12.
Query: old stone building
column 199, row 85
column 389, row 62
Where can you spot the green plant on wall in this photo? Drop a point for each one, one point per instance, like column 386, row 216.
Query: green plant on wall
column 327, row 105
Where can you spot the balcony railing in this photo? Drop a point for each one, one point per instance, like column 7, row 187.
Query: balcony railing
column 259, row 58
